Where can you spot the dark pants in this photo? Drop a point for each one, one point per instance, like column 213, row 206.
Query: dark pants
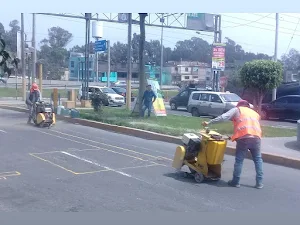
column 242, row 147
column 147, row 106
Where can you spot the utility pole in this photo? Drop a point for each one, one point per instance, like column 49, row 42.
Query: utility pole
column 217, row 39
column 23, row 57
column 162, row 20
column 108, row 63
column 274, row 91
column 128, row 91
column 96, row 56
column 34, row 50
column 87, row 50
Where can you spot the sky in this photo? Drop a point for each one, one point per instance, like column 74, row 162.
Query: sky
column 255, row 32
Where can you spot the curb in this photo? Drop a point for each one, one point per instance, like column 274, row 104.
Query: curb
column 267, row 157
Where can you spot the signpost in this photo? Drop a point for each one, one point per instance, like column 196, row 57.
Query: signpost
column 100, row 46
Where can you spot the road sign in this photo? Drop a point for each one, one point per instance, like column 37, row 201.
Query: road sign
column 100, row 46
column 218, row 57
column 122, row 17
column 200, row 21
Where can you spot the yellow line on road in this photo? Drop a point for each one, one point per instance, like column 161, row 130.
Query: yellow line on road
column 54, row 164
column 10, row 174
column 124, row 149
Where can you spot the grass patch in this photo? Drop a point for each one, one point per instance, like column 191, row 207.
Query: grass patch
column 171, row 124
column 11, row 92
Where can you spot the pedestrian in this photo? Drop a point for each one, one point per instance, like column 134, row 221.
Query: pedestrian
column 247, row 134
column 148, row 100
column 33, row 97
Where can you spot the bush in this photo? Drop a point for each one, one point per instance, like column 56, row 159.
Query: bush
column 99, row 100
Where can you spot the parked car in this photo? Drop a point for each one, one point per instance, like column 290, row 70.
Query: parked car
column 182, row 98
column 114, row 99
column 207, row 103
column 286, row 107
column 122, row 91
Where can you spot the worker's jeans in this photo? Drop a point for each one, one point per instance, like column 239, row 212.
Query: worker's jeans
column 242, row 147
column 147, row 106
column 31, row 112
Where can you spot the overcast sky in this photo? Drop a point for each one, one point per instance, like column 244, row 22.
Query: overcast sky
column 255, row 32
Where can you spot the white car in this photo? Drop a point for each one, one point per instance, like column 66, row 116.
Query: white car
column 114, row 99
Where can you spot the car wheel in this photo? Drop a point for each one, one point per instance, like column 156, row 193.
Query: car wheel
column 173, row 106
column 195, row 112
column 264, row 115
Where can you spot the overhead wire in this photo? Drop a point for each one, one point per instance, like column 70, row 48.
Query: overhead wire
column 292, row 36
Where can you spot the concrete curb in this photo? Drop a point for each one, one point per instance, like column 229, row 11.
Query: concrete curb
column 267, row 157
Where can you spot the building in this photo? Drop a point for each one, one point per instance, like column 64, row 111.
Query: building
column 189, row 72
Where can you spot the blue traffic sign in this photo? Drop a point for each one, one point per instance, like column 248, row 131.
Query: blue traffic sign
column 100, row 46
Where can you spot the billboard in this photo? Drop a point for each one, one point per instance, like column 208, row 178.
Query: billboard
column 200, row 21
column 218, row 57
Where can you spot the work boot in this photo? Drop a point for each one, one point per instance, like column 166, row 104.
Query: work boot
column 232, row 184
column 259, row 186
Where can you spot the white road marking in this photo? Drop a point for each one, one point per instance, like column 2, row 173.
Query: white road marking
column 3, row 131
column 105, row 167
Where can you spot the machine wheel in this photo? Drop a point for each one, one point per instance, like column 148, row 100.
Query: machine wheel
column 199, row 178
column 173, row 106
column 195, row 112
column 42, row 124
column 192, row 171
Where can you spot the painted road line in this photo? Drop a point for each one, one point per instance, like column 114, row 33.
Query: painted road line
column 3, row 131
column 9, row 174
column 52, row 163
column 93, row 146
column 105, row 167
column 130, row 145
column 124, row 168
column 124, row 149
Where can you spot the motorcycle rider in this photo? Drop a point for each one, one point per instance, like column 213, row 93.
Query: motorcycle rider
column 33, row 97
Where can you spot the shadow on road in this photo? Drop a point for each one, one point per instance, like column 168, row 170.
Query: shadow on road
column 292, row 145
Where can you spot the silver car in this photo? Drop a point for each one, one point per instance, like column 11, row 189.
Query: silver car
column 207, row 103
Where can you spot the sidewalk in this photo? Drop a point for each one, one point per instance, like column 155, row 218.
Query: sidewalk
column 285, row 146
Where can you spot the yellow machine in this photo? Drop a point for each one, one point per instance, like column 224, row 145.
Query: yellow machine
column 203, row 154
column 44, row 115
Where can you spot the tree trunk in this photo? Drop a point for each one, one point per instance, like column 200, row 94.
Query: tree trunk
column 142, row 78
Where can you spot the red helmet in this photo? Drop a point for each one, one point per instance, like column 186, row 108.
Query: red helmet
column 243, row 103
column 34, row 87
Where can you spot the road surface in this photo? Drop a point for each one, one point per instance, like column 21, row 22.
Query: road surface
column 71, row 168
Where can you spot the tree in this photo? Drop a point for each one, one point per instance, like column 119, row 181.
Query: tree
column 291, row 61
column 142, row 81
column 53, row 53
column 261, row 76
column 7, row 63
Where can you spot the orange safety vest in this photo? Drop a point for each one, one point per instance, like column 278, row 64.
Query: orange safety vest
column 246, row 124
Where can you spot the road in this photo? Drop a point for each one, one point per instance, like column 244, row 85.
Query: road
column 271, row 123
column 71, row 168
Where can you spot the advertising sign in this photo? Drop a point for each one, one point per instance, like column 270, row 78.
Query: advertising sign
column 218, row 57
column 158, row 105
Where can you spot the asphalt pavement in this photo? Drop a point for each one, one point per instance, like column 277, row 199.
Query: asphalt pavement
column 71, row 168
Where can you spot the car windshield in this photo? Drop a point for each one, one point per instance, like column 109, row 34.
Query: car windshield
column 120, row 90
column 108, row 91
column 230, row 97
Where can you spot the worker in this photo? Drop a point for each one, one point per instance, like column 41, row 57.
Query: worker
column 148, row 98
column 247, row 134
column 32, row 98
